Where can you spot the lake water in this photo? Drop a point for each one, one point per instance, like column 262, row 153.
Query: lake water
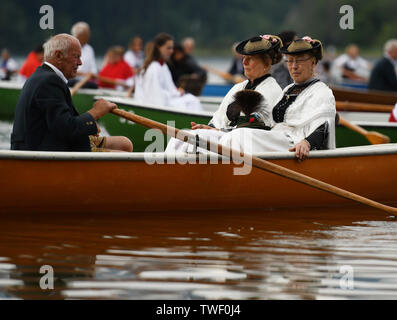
column 343, row 253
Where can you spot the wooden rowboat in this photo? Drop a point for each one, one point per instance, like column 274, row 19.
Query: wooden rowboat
column 364, row 96
column 60, row 182
column 181, row 118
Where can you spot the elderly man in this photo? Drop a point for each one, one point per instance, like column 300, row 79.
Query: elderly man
column 383, row 76
column 81, row 30
column 45, row 118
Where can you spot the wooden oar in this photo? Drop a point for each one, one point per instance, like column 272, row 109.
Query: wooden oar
column 255, row 162
column 364, row 107
column 225, row 75
column 112, row 81
column 79, row 84
column 372, row 136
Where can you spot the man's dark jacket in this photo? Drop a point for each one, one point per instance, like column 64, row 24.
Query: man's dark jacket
column 45, row 118
column 383, row 76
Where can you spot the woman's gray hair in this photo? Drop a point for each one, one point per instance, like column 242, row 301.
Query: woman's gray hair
column 60, row 42
column 389, row 45
column 79, row 27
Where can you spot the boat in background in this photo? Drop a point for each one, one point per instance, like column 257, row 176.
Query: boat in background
column 364, row 96
column 82, row 100
column 216, row 90
column 63, row 182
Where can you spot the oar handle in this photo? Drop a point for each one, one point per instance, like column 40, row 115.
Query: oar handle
column 256, row 162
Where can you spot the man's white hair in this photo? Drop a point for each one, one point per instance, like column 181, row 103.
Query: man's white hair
column 389, row 45
column 79, row 28
column 60, row 42
column 188, row 40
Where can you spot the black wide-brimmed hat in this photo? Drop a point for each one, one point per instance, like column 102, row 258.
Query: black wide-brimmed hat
column 262, row 44
column 304, row 45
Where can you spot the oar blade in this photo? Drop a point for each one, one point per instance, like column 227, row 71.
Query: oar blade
column 377, row 138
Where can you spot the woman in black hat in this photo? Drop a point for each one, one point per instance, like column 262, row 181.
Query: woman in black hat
column 304, row 116
column 259, row 54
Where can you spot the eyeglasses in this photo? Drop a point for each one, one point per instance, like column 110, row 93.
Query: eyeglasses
column 298, row 62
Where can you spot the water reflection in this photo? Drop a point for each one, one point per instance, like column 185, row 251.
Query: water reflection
column 250, row 255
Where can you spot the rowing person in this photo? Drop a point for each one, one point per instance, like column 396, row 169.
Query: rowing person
column 81, row 30
column 259, row 54
column 45, row 118
column 303, row 119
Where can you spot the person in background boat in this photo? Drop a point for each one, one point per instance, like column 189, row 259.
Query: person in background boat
column 134, row 55
column 186, row 75
column 45, row 118
column 81, row 30
column 35, row 59
column 189, row 45
column 303, row 119
column 115, row 68
column 8, row 65
column 350, row 66
column 236, row 69
column 259, row 54
column 383, row 76
column 154, row 84
column 280, row 71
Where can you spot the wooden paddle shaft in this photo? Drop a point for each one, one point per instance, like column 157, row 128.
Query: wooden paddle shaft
column 352, row 126
column 79, row 84
column 256, row 162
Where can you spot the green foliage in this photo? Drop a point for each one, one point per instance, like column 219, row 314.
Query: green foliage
column 215, row 24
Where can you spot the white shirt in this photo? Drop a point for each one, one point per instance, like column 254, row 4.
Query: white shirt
column 11, row 66
column 88, row 60
column 156, row 87
column 133, row 60
column 360, row 66
column 271, row 92
column 313, row 106
column 57, row 71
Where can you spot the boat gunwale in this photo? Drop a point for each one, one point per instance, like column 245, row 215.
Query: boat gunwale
column 364, row 123
column 150, row 157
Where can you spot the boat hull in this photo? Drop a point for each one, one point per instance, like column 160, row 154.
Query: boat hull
column 104, row 183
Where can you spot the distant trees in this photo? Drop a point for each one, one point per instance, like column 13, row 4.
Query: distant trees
column 216, row 24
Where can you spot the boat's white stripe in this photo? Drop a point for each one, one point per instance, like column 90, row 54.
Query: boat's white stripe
column 140, row 156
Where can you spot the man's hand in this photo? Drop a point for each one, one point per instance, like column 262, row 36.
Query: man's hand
column 181, row 91
column 301, row 149
column 200, row 126
column 101, row 107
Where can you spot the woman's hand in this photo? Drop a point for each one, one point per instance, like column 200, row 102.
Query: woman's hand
column 301, row 149
column 181, row 91
column 200, row 126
